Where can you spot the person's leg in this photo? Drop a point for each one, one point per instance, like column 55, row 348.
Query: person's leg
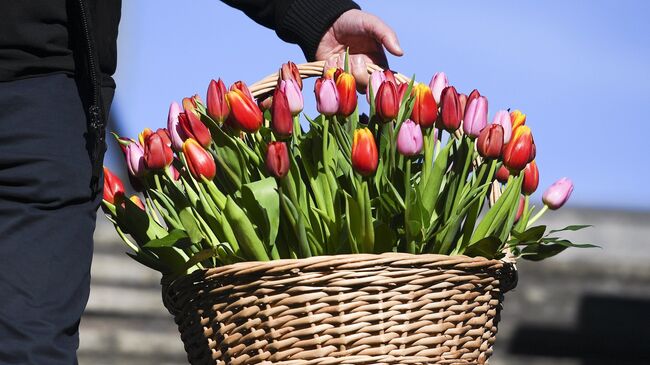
column 47, row 219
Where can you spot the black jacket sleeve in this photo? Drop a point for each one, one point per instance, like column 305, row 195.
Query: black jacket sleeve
column 302, row 22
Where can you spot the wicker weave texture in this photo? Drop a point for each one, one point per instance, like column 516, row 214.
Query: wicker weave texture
column 350, row 309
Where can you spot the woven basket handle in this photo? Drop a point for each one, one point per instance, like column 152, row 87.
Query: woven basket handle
column 307, row 70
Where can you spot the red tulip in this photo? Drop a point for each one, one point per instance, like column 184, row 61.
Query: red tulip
column 517, row 153
column 364, row 152
column 390, row 76
column 462, row 98
column 502, row 174
column 401, row 91
column 193, row 127
column 386, row 102
column 217, row 105
column 281, row 119
column 199, row 161
column 241, row 86
column 425, row 109
column 490, row 141
column 450, row 109
column 289, row 71
column 164, row 134
column 143, row 135
column 277, row 159
column 191, row 104
column 347, row 90
column 531, row 178
column 113, row 187
column 157, row 154
column 244, row 113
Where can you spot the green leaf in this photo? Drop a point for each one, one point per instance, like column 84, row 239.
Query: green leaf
column 432, row 185
column 262, row 202
column 575, row 227
column 489, row 247
column 172, row 257
column 172, row 239
column 142, row 227
column 189, row 223
column 248, row 240
column 354, row 223
column 532, row 234
column 385, row 238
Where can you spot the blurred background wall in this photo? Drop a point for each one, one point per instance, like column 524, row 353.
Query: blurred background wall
column 578, row 69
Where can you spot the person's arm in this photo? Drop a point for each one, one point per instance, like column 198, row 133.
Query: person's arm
column 302, row 22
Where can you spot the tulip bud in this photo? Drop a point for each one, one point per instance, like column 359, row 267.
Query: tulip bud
column 157, row 155
column 502, row 174
column 364, row 152
column 216, row 99
column 327, row 97
column 490, row 141
column 517, row 119
column 265, row 104
column 390, row 76
column 557, row 194
column 377, row 77
column 476, row 116
column 425, row 109
column 473, row 95
column 401, row 91
column 517, row 153
column 173, row 126
column 164, row 134
column 451, row 113
column 520, row 208
column 438, row 83
column 241, row 86
column 191, row 104
column 293, row 94
column 193, row 127
column 386, row 103
column 289, row 71
column 123, row 142
column 347, row 88
column 502, row 118
column 244, row 113
column 462, row 99
column 113, row 187
column 199, row 161
column 281, row 119
column 137, row 201
column 135, row 159
column 531, row 178
column 409, row 139
column 143, row 135
column 277, row 159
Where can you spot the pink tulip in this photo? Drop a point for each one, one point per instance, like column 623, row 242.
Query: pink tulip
column 409, row 139
column 327, row 97
column 291, row 89
column 476, row 117
column 176, row 133
column 376, row 78
column 502, row 118
column 557, row 194
column 135, row 159
column 438, row 83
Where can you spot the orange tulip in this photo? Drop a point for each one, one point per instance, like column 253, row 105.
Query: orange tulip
column 244, row 113
column 199, row 161
column 347, row 89
column 519, row 151
column 425, row 109
column 364, row 152
column 517, row 118
column 113, row 187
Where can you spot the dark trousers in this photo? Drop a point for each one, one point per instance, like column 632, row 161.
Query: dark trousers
column 47, row 219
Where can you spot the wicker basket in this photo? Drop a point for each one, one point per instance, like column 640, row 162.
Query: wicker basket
column 392, row 308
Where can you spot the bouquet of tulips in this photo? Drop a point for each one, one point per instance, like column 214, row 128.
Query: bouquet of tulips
column 239, row 179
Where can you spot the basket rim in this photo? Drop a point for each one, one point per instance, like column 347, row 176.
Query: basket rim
column 503, row 268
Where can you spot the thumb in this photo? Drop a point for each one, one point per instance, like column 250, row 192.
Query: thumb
column 383, row 34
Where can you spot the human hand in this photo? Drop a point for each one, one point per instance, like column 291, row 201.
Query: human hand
column 366, row 36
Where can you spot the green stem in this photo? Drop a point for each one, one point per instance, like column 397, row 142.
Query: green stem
column 410, row 245
column 537, row 216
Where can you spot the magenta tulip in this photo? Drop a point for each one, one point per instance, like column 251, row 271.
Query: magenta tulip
column 438, row 83
column 557, row 194
column 502, row 118
column 475, row 116
column 409, row 139
column 135, row 159
column 376, row 78
column 176, row 133
column 292, row 91
column 327, row 97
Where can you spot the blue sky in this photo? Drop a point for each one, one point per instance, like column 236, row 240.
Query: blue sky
column 580, row 70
